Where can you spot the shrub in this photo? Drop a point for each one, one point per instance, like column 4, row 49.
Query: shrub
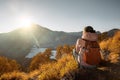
column 63, row 50
column 40, row 59
column 14, row 76
column 56, row 70
column 112, row 45
column 8, row 65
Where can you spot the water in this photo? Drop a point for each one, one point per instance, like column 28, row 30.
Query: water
column 35, row 50
column 53, row 54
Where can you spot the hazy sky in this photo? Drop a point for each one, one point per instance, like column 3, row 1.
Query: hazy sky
column 61, row 15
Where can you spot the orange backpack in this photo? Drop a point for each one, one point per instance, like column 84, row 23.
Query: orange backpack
column 92, row 54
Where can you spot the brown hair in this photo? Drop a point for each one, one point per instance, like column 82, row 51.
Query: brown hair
column 89, row 29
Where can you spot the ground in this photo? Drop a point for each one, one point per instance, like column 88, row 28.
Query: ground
column 107, row 71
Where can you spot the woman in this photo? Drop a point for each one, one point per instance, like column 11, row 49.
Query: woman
column 83, row 47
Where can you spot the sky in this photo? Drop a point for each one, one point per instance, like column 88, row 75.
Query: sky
column 60, row 15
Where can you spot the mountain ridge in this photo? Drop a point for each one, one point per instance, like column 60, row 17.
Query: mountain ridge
column 17, row 44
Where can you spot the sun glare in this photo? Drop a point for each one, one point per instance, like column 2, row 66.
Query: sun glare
column 25, row 21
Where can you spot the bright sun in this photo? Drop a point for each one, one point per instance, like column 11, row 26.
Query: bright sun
column 25, row 21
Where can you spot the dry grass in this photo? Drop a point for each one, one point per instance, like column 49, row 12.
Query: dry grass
column 14, row 76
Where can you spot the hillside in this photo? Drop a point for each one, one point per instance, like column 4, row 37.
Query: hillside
column 18, row 43
column 65, row 67
column 107, row 34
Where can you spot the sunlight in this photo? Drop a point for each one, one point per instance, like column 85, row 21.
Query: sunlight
column 25, row 21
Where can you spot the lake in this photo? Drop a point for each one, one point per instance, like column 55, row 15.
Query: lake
column 35, row 50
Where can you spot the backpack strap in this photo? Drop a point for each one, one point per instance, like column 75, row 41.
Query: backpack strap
column 93, row 45
column 86, row 43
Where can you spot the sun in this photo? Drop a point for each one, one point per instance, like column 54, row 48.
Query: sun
column 25, row 21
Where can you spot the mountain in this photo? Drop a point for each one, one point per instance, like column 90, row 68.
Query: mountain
column 18, row 43
column 111, row 32
column 107, row 34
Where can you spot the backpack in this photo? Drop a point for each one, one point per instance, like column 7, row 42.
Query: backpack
column 91, row 54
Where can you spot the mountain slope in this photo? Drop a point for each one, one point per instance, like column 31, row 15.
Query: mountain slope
column 17, row 44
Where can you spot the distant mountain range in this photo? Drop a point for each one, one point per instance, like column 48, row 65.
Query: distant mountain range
column 17, row 44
